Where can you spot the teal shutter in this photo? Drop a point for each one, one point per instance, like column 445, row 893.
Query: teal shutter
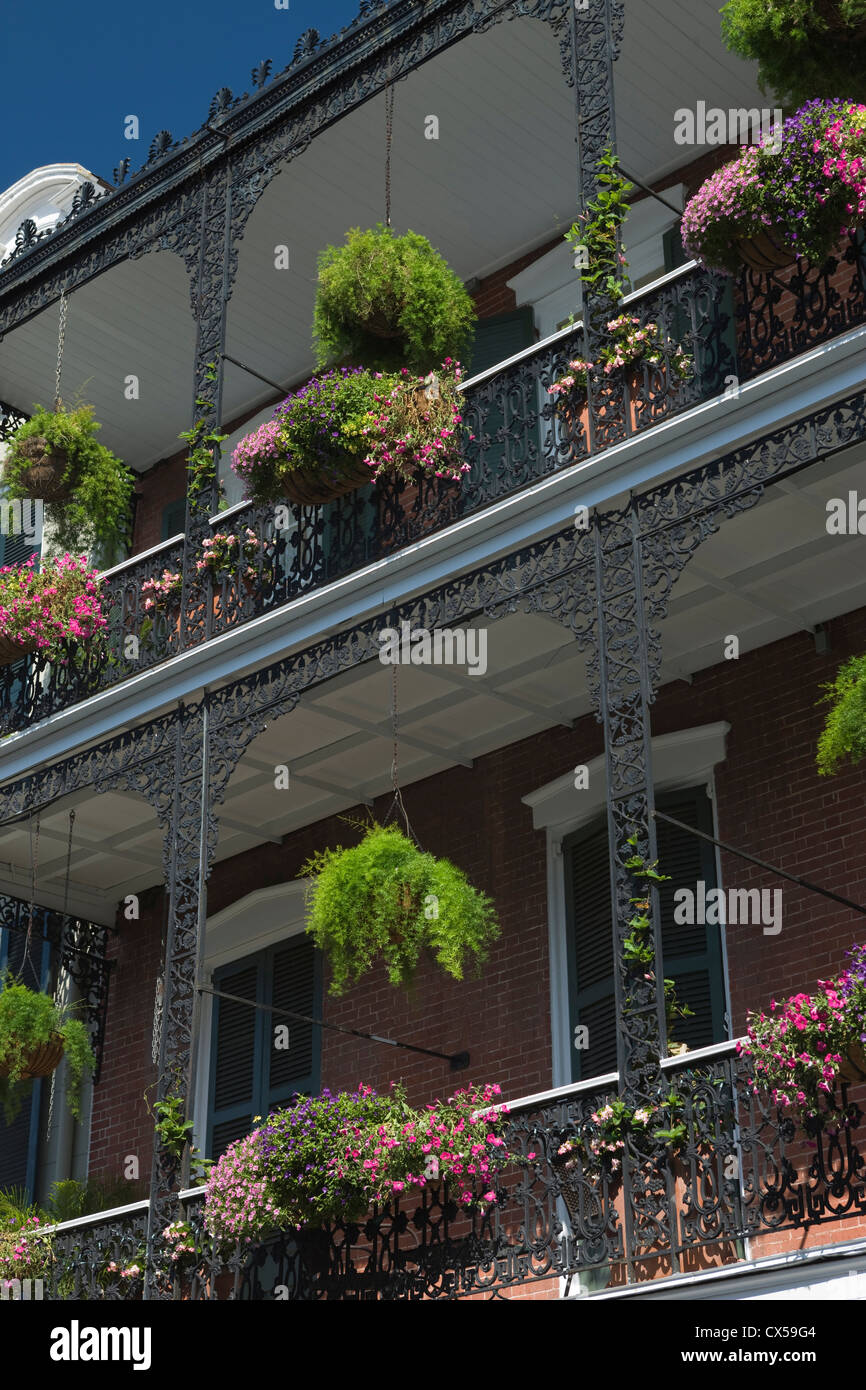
column 674, row 252
column 500, row 337
column 716, row 354
column 497, row 339
column 590, row 950
column 249, row 1076
column 691, row 955
column 173, row 519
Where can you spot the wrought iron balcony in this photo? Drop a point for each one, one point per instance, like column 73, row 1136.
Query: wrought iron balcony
column 515, row 436
column 742, row 1174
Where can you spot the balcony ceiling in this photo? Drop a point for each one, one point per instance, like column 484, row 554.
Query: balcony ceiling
column 768, row 574
column 498, row 182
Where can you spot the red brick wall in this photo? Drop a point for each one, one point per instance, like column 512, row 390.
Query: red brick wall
column 121, row 1124
column 161, row 485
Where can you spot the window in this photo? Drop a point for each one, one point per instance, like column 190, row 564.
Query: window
column 249, row 1075
column 691, row 955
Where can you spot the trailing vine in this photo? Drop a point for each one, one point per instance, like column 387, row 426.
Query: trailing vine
column 638, row 946
column 595, row 231
column 203, row 444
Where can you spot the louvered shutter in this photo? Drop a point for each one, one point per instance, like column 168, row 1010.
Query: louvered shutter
column 249, row 1075
column 590, row 942
column 294, row 977
column 497, row 339
column 235, row 1043
column 173, row 519
column 714, row 361
column 691, row 955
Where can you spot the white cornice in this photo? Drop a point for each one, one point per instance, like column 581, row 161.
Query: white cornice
column 44, row 195
column 677, row 758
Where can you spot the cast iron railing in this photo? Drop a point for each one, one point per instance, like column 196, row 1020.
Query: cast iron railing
column 515, row 434
column 743, row 1173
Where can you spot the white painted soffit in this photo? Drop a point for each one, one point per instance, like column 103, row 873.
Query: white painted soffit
column 687, row 755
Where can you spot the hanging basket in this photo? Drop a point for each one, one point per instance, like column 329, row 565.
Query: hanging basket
column 314, row 486
column 12, row 651
column 762, row 252
column 42, row 1061
column 852, row 1068
column 43, row 480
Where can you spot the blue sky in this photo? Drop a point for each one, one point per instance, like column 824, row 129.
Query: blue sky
column 70, row 72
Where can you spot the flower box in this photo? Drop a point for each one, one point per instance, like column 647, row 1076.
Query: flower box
column 349, row 427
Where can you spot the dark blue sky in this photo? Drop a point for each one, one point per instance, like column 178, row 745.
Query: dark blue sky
column 70, row 72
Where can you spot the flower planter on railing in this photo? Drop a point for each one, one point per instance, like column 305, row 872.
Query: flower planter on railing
column 786, row 197
column 46, row 609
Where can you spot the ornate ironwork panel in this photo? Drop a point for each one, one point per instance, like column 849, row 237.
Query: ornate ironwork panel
column 99, row 1257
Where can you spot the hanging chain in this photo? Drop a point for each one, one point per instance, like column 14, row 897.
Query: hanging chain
column 395, row 785
column 397, row 800
column 389, row 131
column 68, row 864
column 34, row 869
column 61, row 340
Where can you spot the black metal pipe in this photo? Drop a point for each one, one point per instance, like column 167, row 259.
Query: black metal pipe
column 762, row 864
column 244, row 368
column 458, row 1060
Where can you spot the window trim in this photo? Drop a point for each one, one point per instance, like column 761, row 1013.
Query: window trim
column 681, row 759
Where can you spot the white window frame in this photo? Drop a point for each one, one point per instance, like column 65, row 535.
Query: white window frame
column 682, row 759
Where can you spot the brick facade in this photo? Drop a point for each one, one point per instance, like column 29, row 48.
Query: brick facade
column 770, row 801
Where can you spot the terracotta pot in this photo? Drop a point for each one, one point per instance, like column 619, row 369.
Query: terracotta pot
column 44, row 477
column 42, row 1061
column 312, row 487
column 11, row 651
column 762, row 252
column 573, row 412
column 852, row 1068
column 219, row 1289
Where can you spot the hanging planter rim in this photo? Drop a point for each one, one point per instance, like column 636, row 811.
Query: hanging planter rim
column 852, row 1068
column 12, row 650
column 43, row 479
column 763, row 252
column 42, row 1060
column 313, row 486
